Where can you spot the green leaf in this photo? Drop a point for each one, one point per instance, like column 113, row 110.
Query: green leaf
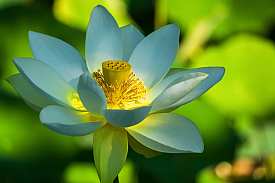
column 244, row 15
column 249, row 63
column 185, row 12
column 77, row 13
column 7, row 3
column 81, row 172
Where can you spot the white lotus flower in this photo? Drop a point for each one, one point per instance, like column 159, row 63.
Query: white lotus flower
column 118, row 92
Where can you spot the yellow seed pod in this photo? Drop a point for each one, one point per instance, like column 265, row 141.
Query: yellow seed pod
column 115, row 71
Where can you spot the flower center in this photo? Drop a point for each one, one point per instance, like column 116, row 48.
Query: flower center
column 115, row 71
column 119, row 84
column 76, row 102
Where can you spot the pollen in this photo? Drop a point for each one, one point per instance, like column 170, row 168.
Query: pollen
column 119, row 84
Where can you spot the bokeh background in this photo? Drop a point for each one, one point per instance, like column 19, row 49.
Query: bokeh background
column 236, row 117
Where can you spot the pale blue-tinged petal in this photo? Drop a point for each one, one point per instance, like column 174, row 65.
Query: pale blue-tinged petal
column 32, row 97
column 44, row 79
column 110, row 149
column 126, row 118
column 155, row 54
column 91, row 94
column 173, row 71
column 69, row 122
column 170, row 81
column 131, row 36
column 61, row 56
column 215, row 74
column 142, row 149
column 174, row 93
column 167, row 132
column 103, row 39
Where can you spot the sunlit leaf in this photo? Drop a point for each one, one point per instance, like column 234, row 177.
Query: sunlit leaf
column 7, row 3
column 207, row 175
column 247, row 15
column 211, row 123
column 15, row 23
column 77, row 13
column 243, row 15
column 186, row 12
column 249, row 63
column 23, row 137
column 80, row 172
column 258, row 142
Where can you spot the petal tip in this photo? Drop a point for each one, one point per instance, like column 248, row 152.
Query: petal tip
column 9, row 79
column 175, row 27
column 201, row 149
column 99, row 8
column 32, row 34
column 15, row 60
column 223, row 69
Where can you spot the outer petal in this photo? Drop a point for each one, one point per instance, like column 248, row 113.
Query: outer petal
column 131, row 36
column 33, row 98
column 142, row 149
column 91, row 94
column 103, row 39
column 68, row 121
column 154, row 55
column 173, row 94
column 215, row 74
column 173, row 71
column 45, row 80
column 167, row 132
column 61, row 56
column 110, row 151
column 126, row 118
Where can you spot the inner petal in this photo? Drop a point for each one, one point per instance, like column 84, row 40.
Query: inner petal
column 76, row 102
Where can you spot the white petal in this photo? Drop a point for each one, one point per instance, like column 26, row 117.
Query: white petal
column 131, row 36
column 32, row 97
column 68, row 121
column 45, row 80
column 155, row 54
column 61, row 56
column 167, row 132
column 177, row 91
column 126, row 118
column 215, row 74
column 110, row 151
column 103, row 39
column 142, row 149
column 173, row 71
column 91, row 94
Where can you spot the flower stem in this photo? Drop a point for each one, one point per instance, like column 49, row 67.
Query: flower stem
column 116, row 180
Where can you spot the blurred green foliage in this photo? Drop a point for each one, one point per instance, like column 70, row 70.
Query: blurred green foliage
column 236, row 117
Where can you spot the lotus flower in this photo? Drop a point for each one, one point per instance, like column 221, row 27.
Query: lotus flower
column 122, row 92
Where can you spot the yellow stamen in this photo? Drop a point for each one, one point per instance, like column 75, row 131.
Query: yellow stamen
column 122, row 87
